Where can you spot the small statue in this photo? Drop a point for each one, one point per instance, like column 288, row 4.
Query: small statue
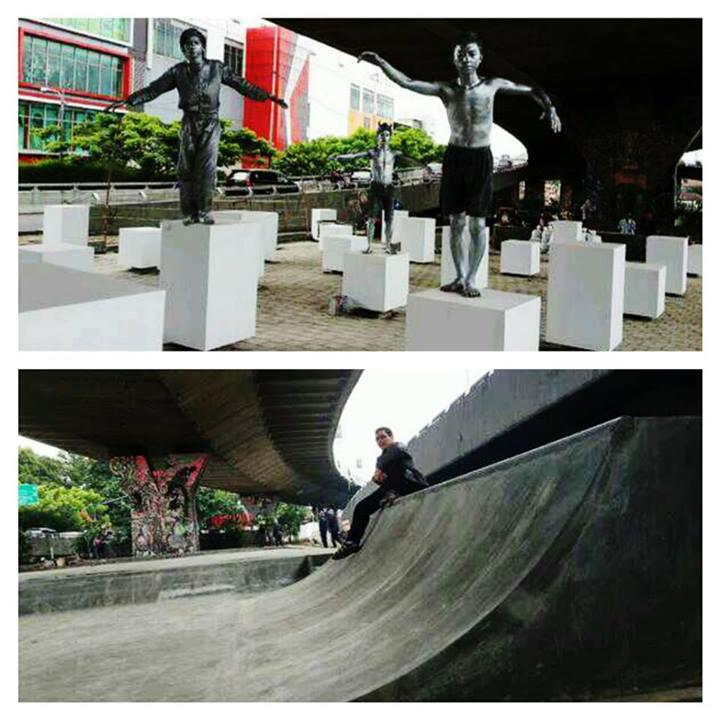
column 198, row 81
column 466, row 186
column 382, row 191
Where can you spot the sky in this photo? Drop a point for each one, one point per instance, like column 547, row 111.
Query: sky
column 405, row 400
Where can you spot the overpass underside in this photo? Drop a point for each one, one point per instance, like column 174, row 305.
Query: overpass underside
column 571, row 571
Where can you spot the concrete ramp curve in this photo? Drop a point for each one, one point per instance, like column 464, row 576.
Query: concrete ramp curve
column 571, row 571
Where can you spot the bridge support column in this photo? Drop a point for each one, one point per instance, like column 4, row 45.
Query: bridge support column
column 164, row 514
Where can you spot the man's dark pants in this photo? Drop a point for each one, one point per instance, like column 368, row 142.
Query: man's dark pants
column 361, row 515
column 197, row 164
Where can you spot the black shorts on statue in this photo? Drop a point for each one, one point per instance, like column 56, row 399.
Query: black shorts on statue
column 382, row 199
column 466, row 184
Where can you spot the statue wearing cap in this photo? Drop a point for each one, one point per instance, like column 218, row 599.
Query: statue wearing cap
column 198, row 82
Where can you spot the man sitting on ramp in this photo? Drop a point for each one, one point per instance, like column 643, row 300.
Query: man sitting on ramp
column 396, row 474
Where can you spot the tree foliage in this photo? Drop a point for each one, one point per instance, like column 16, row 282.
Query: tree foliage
column 64, row 508
column 145, row 142
column 212, row 502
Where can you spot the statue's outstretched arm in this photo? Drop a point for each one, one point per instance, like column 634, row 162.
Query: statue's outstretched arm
column 418, row 86
column 246, row 88
column 163, row 84
column 352, row 156
column 537, row 94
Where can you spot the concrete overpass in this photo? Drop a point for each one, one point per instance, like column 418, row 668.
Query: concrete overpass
column 628, row 90
column 254, row 432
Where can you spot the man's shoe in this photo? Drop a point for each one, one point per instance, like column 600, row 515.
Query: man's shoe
column 189, row 220
column 348, row 548
column 205, row 219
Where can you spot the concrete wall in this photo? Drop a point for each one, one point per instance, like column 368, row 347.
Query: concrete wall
column 492, row 406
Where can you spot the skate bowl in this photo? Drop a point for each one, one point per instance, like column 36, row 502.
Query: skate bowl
column 570, row 572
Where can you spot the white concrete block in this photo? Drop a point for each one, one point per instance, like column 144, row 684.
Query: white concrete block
column 672, row 252
column 566, row 231
column 694, row 260
column 377, row 282
column 139, row 247
column 398, row 217
column 437, row 320
column 64, row 309
column 586, row 286
column 520, row 257
column 644, row 289
column 211, row 282
column 271, row 222
column 329, row 228
column 66, row 224
column 72, row 256
column 447, row 265
column 248, row 232
column 417, row 238
column 335, row 247
column 317, row 215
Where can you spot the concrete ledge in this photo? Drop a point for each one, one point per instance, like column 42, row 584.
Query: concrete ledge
column 149, row 581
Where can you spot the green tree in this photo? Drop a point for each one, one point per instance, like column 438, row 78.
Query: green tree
column 212, row 502
column 63, row 508
column 36, row 469
column 417, row 147
column 290, row 517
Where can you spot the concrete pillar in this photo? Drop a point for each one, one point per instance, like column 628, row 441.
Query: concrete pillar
column 164, row 514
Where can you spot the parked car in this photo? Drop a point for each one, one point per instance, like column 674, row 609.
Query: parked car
column 361, row 178
column 432, row 172
column 504, row 162
column 38, row 532
column 260, row 182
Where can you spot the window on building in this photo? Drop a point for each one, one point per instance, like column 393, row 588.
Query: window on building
column 36, row 116
column 46, row 62
column 233, row 58
column 110, row 28
column 354, row 97
column 366, row 123
column 385, row 107
column 521, row 190
column 368, row 101
column 167, row 37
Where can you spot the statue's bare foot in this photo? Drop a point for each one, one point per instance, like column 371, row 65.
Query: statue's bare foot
column 456, row 286
column 393, row 248
column 471, row 291
column 189, row 220
column 205, row 219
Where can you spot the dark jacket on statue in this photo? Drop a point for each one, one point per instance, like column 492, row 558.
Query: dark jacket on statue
column 403, row 477
column 199, row 92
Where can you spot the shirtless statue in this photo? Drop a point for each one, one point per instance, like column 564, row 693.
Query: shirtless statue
column 198, row 82
column 466, row 187
column 382, row 195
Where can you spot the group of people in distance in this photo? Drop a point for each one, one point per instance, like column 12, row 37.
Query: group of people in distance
column 466, row 186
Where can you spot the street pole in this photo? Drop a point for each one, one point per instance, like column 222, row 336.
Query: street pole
column 61, row 113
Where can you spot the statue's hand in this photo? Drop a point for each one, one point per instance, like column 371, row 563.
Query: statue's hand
column 113, row 106
column 280, row 102
column 370, row 57
column 555, row 123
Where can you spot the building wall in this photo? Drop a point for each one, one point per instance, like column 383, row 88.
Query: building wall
column 78, row 48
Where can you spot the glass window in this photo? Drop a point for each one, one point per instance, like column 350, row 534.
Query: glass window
column 35, row 116
column 369, row 102
column 385, row 107
column 167, row 37
column 234, row 57
column 39, row 61
column 53, row 64
column 67, row 77
column 22, row 124
column 111, row 28
column 27, row 58
column 354, row 97
column 37, row 122
column 93, row 77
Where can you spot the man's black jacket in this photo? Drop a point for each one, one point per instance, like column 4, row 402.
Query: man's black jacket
column 403, row 477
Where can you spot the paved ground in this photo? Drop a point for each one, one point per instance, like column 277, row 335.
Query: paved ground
column 294, row 295
column 575, row 573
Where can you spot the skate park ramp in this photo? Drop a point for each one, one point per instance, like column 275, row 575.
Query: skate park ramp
column 572, row 571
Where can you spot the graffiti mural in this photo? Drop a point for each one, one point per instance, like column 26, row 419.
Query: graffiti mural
column 164, row 514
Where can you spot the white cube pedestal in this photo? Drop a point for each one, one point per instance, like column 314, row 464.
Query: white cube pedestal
column 64, row 309
column 437, row 320
column 644, row 289
column 248, row 232
column 672, row 252
column 694, row 260
column 211, row 282
column 447, row 264
column 377, row 282
column 399, row 216
column 66, row 224
column 417, row 238
column 520, row 257
column 335, row 247
column 334, row 229
column 316, row 216
column 566, row 231
column 586, row 287
column 139, row 247
column 72, row 256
